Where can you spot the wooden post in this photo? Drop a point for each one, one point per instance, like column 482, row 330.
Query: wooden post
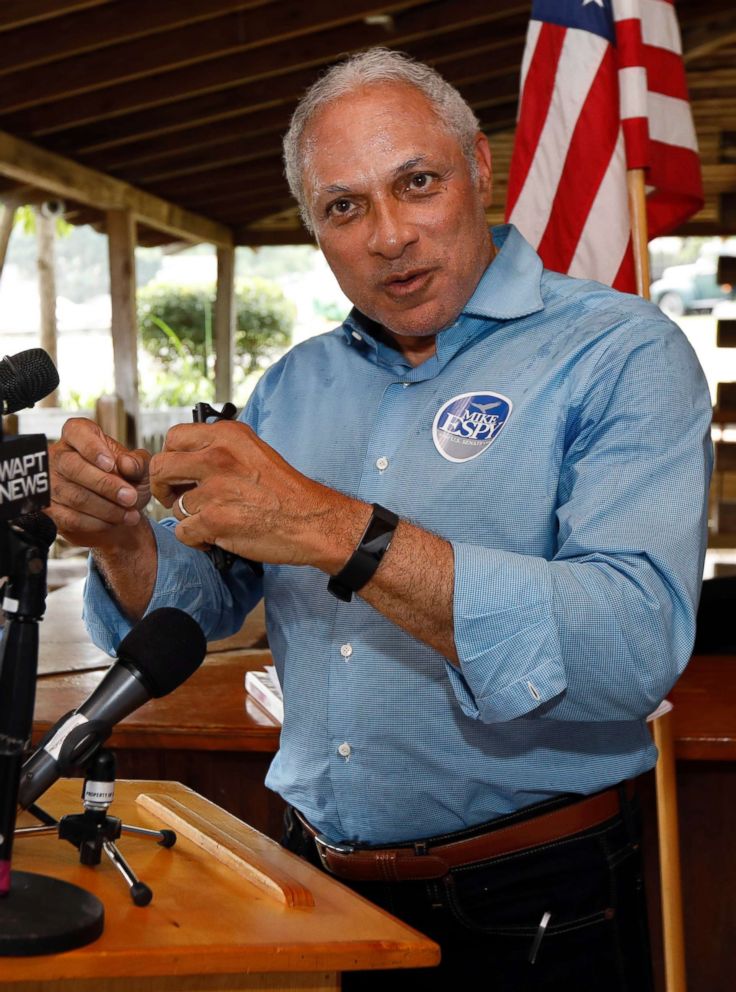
column 224, row 324
column 670, row 883
column 47, row 292
column 7, row 218
column 110, row 417
column 121, row 247
column 669, row 854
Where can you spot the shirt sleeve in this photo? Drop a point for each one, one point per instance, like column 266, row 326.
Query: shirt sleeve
column 185, row 578
column 603, row 630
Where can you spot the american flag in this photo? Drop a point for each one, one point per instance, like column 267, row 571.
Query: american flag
column 603, row 90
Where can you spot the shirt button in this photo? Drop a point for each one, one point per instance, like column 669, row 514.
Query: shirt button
column 406, row 384
column 346, row 650
column 344, row 750
column 382, row 463
column 357, row 336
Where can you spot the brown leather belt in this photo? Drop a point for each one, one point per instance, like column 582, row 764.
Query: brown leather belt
column 433, row 859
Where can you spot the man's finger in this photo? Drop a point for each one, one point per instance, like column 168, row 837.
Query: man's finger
column 133, row 465
column 190, row 437
column 73, row 467
column 92, row 444
column 80, row 499
column 171, row 471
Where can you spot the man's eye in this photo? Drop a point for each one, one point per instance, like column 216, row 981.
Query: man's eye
column 421, row 180
column 340, row 207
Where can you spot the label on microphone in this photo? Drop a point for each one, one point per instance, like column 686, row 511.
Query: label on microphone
column 24, row 475
column 99, row 792
column 53, row 747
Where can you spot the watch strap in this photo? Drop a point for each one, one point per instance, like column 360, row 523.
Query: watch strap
column 366, row 558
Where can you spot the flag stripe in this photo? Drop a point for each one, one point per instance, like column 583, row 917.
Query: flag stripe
column 577, row 188
column 608, row 213
column 671, row 122
column 532, row 37
column 533, row 111
column 577, row 67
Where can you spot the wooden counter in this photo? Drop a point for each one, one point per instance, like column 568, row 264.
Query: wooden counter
column 208, row 926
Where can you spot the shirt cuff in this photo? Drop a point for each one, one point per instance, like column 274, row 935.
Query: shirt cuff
column 510, row 655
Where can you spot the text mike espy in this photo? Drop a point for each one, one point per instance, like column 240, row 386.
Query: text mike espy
column 158, row 654
column 24, row 474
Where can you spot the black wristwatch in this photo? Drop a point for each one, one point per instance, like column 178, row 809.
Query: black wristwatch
column 367, row 556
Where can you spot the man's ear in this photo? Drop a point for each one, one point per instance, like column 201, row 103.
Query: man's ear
column 484, row 164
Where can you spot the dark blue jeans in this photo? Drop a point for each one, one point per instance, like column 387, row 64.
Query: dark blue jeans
column 487, row 918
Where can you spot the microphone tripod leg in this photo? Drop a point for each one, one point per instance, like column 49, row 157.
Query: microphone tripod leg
column 166, row 838
column 139, row 891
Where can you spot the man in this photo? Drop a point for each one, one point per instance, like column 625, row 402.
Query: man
column 510, row 467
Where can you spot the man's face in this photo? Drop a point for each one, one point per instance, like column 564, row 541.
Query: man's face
column 395, row 210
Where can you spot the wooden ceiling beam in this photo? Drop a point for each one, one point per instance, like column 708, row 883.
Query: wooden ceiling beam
column 252, row 174
column 27, row 163
column 112, row 23
column 249, row 237
column 434, row 47
column 154, row 151
column 191, row 58
column 17, row 13
column 235, row 154
column 277, row 58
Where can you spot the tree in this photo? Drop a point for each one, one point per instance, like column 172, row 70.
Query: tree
column 176, row 329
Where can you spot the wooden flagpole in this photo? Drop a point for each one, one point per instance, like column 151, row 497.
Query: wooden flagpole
column 638, row 215
column 670, row 882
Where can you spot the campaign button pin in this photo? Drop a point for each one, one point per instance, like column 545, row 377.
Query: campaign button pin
column 468, row 424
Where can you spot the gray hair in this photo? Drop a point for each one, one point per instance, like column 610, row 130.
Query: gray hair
column 376, row 65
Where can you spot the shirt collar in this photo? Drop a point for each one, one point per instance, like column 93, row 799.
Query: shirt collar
column 509, row 288
column 511, row 285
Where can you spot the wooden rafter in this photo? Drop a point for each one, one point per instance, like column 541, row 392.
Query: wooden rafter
column 26, row 163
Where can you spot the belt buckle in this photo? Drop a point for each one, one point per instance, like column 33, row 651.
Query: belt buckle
column 325, row 847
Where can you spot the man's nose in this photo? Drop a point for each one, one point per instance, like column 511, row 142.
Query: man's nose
column 392, row 230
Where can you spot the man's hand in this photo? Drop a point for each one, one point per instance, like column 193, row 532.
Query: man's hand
column 98, row 487
column 243, row 496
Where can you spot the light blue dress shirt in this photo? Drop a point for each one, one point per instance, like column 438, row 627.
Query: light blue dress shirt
column 559, row 439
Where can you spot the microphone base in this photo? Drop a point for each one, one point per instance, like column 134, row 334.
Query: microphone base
column 43, row 915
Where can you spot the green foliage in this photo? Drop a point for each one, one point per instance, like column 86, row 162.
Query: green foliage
column 25, row 218
column 176, row 325
column 330, row 310
column 178, row 383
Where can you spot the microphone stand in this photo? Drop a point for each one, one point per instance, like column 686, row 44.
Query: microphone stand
column 93, row 831
column 38, row 914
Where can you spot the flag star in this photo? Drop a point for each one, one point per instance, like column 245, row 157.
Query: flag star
column 599, row 3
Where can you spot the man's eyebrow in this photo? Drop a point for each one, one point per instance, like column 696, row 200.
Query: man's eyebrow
column 333, row 188
column 407, row 166
column 411, row 163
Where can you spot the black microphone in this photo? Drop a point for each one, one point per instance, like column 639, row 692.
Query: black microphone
column 26, row 377
column 158, row 654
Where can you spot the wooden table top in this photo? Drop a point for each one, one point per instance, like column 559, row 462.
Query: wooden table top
column 211, row 711
column 206, row 919
column 704, row 714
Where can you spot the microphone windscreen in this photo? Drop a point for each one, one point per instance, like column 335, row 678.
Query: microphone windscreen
column 40, row 527
column 166, row 646
column 25, row 378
